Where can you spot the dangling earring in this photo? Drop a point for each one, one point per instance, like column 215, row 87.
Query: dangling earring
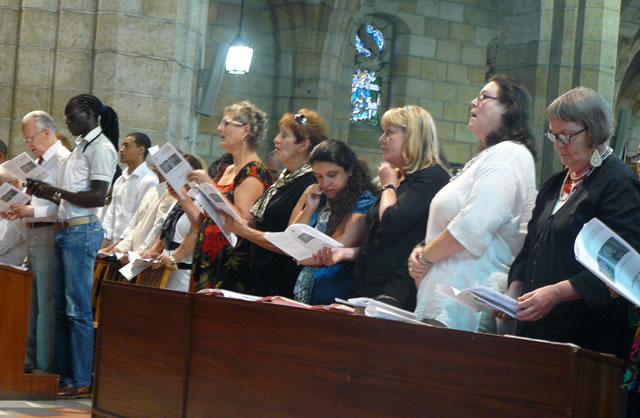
column 596, row 158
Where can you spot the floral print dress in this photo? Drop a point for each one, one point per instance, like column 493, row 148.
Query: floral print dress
column 216, row 264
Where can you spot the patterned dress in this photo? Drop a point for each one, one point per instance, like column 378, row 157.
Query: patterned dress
column 216, row 264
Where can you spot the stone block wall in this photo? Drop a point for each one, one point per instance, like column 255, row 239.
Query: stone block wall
column 140, row 57
column 439, row 63
column 258, row 86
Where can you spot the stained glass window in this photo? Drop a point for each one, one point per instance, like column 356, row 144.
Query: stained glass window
column 365, row 96
column 365, row 84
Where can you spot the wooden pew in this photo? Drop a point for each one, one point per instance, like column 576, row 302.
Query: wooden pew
column 15, row 300
column 172, row 353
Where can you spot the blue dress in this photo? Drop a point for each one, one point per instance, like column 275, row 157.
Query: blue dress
column 334, row 281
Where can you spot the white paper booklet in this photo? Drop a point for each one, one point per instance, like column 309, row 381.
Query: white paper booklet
column 213, row 203
column 479, row 298
column 376, row 309
column 609, row 257
column 24, row 167
column 301, row 241
column 230, row 294
column 136, row 265
column 170, row 162
column 9, row 195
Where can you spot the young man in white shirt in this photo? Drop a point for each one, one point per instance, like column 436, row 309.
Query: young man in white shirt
column 39, row 216
column 129, row 188
column 83, row 185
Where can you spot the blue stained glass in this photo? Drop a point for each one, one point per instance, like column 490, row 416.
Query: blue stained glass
column 365, row 96
column 360, row 47
column 377, row 36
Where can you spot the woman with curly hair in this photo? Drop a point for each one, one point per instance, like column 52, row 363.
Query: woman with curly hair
column 337, row 206
column 216, row 263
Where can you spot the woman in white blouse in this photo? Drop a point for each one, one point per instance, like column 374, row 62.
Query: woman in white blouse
column 477, row 223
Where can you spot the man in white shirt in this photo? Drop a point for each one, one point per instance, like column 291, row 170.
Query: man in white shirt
column 129, row 188
column 82, row 187
column 146, row 224
column 39, row 216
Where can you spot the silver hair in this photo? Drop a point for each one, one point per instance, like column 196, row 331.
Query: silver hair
column 585, row 105
column 42, row 119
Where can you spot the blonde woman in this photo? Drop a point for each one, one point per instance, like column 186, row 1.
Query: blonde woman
column 410, row 176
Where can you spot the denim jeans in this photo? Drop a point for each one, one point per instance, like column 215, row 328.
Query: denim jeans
column 41, row 339
column 75, row 254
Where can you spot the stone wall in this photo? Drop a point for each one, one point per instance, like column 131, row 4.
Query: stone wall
column 139, row 56
column 439, row 63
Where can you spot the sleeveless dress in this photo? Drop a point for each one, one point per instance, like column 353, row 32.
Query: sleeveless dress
column 216, row 264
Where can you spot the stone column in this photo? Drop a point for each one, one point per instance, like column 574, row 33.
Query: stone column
column 139, row 56
column 553, row 46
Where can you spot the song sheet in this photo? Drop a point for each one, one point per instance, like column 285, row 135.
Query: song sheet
column 610, row 258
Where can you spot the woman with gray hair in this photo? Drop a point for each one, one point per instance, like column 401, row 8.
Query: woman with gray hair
column 561, row 300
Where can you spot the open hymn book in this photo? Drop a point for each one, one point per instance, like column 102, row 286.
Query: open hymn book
column 610, row 258
column 479, row 298
column 301, row 241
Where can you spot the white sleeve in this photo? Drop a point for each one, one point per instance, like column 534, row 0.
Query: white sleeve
column 166, row 204
column 491, row 203
column 108, row 222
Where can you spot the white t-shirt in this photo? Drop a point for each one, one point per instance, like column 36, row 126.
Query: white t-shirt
column 486, row 209
column 128, row 191
column 96, row 162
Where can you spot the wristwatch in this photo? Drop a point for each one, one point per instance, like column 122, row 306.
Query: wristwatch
column 389, row 186
column 422, row 259
column 57, row 197
column 173, row 260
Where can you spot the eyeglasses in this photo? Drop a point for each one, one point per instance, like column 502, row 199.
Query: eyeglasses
column 227, row 122
column 635, row 159
column 563, row 138
column 482, row 97
column 32, row 137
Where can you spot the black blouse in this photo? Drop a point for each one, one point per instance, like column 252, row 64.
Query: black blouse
column 273, row 273
column 381, row 268
column 596, row 321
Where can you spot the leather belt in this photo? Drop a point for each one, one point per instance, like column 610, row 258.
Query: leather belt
column 183, row 266
column 38, row 224
column 83, row 220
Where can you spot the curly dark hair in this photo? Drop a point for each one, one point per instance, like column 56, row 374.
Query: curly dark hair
column 337, row 152
column 515, row 119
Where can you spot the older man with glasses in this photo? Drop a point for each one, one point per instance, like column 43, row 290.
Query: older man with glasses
column 39, row 216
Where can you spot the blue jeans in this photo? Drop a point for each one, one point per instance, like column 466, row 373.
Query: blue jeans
column 75, row 254
column 41, row 339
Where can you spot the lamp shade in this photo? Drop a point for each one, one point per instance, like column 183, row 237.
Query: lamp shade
column 239, row 59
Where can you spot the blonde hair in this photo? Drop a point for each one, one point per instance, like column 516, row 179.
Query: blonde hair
column 421, row 148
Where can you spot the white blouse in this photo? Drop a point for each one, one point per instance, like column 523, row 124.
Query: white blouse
column 486, row 208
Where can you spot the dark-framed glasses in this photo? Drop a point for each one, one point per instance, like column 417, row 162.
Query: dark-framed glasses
column 563, row 138
column 227, row 122
column 483, row 97
column 635, row 159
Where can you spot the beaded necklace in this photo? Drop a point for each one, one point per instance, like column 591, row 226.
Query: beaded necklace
column 572, row 181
